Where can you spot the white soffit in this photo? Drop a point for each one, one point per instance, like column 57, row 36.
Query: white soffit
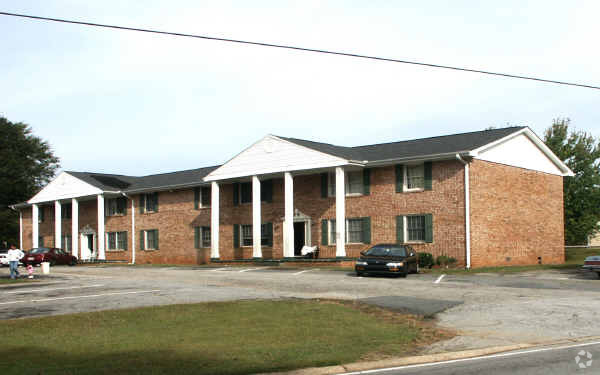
column 64, row 186
column 524, row 150
column 273, row 155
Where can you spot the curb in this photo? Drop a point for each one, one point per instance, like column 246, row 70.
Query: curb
column 430, row 358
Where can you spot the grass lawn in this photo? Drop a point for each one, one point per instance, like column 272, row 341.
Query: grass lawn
column 8, row 280
column 574, row 257
column 212, row 338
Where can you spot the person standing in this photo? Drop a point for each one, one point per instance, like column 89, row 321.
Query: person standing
column 14, row 255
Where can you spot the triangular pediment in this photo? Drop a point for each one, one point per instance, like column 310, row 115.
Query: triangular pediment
column 274, row 155
column 64, row 186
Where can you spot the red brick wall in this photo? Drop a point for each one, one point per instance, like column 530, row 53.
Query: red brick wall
column 516, row 215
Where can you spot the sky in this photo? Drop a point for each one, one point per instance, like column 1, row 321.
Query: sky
column 136, row 104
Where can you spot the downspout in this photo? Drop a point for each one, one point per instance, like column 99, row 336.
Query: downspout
column 132, row 227
column 467, row 211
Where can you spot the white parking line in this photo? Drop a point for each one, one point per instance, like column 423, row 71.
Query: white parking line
column 439, row 279
column 79, row 275
column 219, row 269
column 298, row 273
column 45, row 290
column 249, row 269
column 75, row 297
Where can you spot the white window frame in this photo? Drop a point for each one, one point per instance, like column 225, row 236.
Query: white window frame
column 117, row 236
column 405, row 179
column 114, row 201
column 331, row 228
column 263, row 237
column 405, row 225
column 200, row 204
column 145, row 208
column 203, row 229
column 146, row 240
column 331, row 183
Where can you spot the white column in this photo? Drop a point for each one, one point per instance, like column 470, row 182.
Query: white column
column 75, row 227
column 20, row 229
column 288, row 224
column 101, row 254
column 133, row 234
column 340, row 212
column 214, row 221
column 256, row 222
column 35, row 225
column 57, row 224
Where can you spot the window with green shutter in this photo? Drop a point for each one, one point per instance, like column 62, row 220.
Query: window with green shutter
column 400, row 229
column 427, row 175
column 366, row 221
column 266, row 191
column 205, row 196
column 324, row 185
column 366, row 181
column 196, row 198
column 197, row 237
column 429, row 228
column 236, row 235
column 399, row 178
column 236, row 194
column 324, row 234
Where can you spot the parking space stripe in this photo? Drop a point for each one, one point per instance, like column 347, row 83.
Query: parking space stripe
column 76, row 297
column 249, row 269
column 439, row 279
column 298, row 273
column 45, row 290
column 79, row 275
column 219, row 269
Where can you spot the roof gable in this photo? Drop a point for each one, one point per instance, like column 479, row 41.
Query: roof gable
column 64, row 186
column 272, row 154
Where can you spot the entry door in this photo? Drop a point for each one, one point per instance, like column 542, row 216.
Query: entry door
column 87, row 246
column 299, row 237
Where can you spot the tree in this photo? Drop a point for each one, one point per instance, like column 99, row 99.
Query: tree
column 26, row 165
column 581, row 152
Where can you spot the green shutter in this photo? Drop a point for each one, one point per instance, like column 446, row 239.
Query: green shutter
column 266, row 191
column 142, row 203
column 197, row 237
column 236, row 194
column 400, row 229
column 366, row 222
column 399, row 178
column 270, row 234
column 236, row 235
column 126, row 244
column 427, row 170
column 156, row 203
column 156, row 238
column 324, row 233
column 428, row 228
column 196, row 198
column 141, row 240
column 323, row 185
column 367, row 181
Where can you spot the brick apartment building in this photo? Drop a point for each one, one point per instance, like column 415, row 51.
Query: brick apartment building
column 492, row 197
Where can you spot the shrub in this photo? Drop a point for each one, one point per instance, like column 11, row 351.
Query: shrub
column 452, row 261
column 442, row 260
column 425, row 260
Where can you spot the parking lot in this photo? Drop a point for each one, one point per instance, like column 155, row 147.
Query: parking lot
column 485, row 309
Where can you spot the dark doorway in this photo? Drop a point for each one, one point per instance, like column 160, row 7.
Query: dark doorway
column 90, row 242
column 299, row 237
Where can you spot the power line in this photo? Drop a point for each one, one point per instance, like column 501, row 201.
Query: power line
column 298, row 49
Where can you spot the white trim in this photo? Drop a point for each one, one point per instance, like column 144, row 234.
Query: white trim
column 256, row 219
column 467, row 212
column 101, row 249
column 405, row 228
column 35, row 225
column 133, row 233
column 405, row 188
column 57, row 224
column 288, row 223
column 214, row 220
column 20, row 229
column 75, row 227
column 536, row 140
column 340, row 212
column 64, row 186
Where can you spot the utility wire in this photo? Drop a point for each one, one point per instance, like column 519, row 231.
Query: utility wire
column 298, row 49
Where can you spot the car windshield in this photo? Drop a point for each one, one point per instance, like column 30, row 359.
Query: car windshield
column 39, row 250
column 387, row 250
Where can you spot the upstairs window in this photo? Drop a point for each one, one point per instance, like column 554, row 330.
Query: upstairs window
column 415, row 176
column 41, row 215
column 116, row 206
column 246, row 192
column 149, row 202
column 202, row 197
column 354, row 183
column 242, row 192
column 66, row 211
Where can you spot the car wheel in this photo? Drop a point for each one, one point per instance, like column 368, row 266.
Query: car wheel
column 403, row 275
column 72, row 263
column 599, row 275
column 359, row 274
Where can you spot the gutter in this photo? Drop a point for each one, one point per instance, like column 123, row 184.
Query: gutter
column 467, row 211
column 442, row 156
column 132, row 227
column 163, row 188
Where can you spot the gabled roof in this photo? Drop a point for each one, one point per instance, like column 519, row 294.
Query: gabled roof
column 447, row 144
column 103, row 181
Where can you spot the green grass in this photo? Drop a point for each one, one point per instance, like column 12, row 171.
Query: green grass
column 573, row 259
column 212, row 338
column 8, row 280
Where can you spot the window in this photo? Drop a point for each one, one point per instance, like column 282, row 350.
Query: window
column 116, row 240
column 67, row 243
column 205, row 196
column 149, row 239
column 415, row 177
column 415, row 228
column 242, row 192
column 266, row 234
column 205, row 236
column 40, row 214
column 65, row 211
column 354, row 181
column 116, row 206
column 246, row 192
column 357, row 231
column 40, row 241
column 149, row 202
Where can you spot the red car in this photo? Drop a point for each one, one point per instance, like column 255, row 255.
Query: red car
column 52, row 255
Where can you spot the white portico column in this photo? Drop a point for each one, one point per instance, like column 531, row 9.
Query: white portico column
column 101, row 254
column 288, row 224
column 214, row 221
column 57, row 224
column 256, row 223
column 35, row 225
column 340, row 213
column 75, row 227
column 21, row 229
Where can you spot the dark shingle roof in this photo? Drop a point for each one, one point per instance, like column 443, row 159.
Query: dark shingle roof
column 413, row 148
column 113, row 182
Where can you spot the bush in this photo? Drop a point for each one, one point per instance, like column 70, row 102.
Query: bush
column 425, row 260
column 442, row 260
